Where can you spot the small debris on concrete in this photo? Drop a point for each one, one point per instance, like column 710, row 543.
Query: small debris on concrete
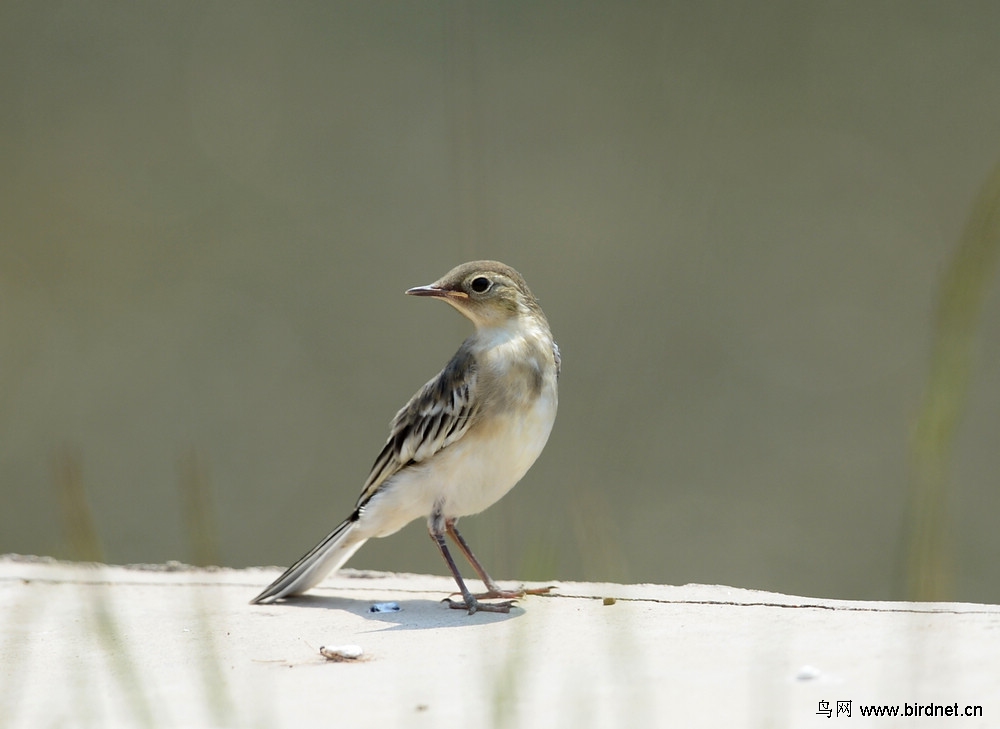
column 341, row 653
column 610, row 600
column 385, row 607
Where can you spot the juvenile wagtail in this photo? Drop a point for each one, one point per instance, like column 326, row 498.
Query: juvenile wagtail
column 463, row 440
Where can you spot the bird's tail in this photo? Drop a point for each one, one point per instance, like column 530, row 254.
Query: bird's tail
column 320, row 561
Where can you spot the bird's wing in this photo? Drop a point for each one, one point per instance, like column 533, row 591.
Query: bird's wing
column 437, row 416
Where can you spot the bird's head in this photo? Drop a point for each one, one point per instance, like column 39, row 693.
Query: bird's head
column 488, row 293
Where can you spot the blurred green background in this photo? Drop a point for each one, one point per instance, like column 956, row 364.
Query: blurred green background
column 737, row 217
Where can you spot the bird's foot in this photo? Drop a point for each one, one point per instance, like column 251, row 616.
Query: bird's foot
column 472, row 604
column 494, row 592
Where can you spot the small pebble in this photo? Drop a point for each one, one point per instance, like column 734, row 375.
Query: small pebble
column 385, row 607
column 610, row 601
column 341, row 652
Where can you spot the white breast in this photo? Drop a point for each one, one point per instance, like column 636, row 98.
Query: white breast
column 488, row 463
column 467, row 476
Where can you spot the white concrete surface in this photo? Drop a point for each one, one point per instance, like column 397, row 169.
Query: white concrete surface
column 84, row 645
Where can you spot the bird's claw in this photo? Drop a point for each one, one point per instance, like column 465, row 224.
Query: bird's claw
column 510, row 597
column 474, row 606
column 495, row 592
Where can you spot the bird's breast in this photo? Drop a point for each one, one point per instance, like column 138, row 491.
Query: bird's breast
column 515, row 400
column 493, row 456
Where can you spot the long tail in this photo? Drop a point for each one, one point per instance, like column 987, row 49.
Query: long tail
column 320, row 561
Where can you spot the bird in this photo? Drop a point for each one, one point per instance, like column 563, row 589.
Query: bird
column 462, row 441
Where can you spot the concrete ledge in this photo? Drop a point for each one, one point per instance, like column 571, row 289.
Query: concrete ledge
column 96, row 645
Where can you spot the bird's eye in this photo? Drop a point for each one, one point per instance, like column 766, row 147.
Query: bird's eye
column 481, row 284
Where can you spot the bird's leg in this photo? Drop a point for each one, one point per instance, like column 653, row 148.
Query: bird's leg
column 492, row 588
column 471, row 603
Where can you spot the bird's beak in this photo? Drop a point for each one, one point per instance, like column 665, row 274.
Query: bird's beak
column 437, row 292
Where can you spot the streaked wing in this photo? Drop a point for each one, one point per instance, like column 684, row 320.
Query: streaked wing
column 437, row 416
